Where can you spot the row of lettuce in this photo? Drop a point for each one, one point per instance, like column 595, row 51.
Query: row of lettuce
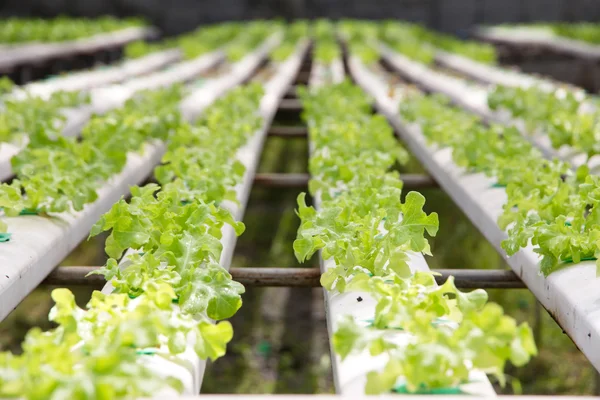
column 411, row 39
column 548, row 204
column 24, row 30
column 555, row 205
column 551, row 204
column 170, row 291
column 234, row 37
column 22, row 115
column 585, row 31
column 369, row 233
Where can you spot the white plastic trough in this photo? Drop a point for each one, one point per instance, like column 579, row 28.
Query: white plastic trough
column 249, row 156
column 539, row 37
column 571, row 295
column 486, row 73
column 20, row 54
column 39, row 244
column 350, row 374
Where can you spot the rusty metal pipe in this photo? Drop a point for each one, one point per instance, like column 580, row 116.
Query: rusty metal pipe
column 299, row 180
column 303, row 277
column 282, row 180
column 289, row 131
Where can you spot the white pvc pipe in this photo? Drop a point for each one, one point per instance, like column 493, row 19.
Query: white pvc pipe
column 33, row 52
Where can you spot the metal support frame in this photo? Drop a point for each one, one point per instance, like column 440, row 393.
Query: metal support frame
column 303, row 277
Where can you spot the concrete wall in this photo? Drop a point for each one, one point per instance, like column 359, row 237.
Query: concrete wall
column 176, row 16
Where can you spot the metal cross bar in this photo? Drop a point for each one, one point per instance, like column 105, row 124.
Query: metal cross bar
column 295, row 180
column 289, row 131
column 282, row 180
column 304, row 277
column 290, row 105
column 481, row 278
column 417, row 181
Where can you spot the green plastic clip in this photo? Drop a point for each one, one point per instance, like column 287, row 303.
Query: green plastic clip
column 570, row 259
column 498, row 185
column 28, row 211
column 133, row 296
column 264, row 348
column 5, row 237
column 371, row 323
column 146, row 352
column 401, row 389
